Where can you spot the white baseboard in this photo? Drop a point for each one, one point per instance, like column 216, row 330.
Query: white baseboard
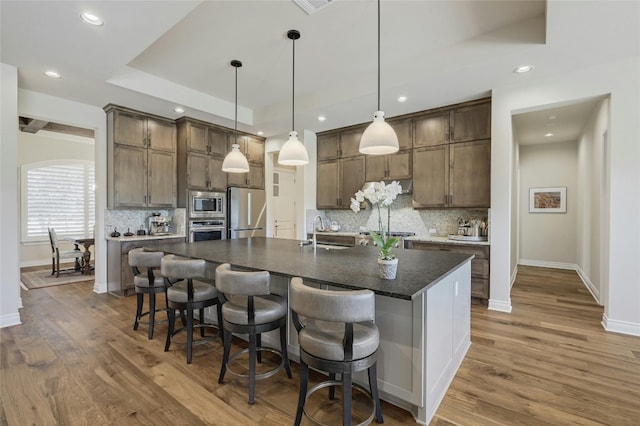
column 589, row 285
column 99, row 287
column 623, row 327
column 500, row 305
column 513, row 276
column 9, row 320
column 547, row 264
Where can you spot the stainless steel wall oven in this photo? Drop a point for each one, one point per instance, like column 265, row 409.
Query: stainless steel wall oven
column 207, row 230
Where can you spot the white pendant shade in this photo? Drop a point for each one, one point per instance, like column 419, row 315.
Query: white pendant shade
column 293, row 152
column 379, row 138
column 235, row 161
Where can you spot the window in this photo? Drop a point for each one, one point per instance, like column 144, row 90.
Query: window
column 58, row 194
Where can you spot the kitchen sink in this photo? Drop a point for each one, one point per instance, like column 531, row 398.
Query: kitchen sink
column 330, row 247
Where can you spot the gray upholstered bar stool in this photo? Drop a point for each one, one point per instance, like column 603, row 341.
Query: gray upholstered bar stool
column 338, row 336
column 147, row 279
column 248, row 307
column 187, row 293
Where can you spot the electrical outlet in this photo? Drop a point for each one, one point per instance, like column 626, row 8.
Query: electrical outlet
column 432, row 230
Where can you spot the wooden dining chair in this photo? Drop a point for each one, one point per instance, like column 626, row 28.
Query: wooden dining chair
column 57, row 255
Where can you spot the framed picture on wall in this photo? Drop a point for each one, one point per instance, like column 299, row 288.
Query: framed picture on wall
column 548, row 200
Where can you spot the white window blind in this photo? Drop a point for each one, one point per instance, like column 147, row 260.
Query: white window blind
column 60, row 195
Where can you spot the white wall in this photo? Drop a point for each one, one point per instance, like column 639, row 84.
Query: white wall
column 10, row 301
column 51, row 108
column 548, row 239
column 620, row 80
column 47, row 146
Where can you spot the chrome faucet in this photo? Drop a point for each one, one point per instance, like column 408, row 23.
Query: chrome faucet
column 315, row 239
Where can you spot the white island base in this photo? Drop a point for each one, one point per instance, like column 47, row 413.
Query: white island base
column 422, row 341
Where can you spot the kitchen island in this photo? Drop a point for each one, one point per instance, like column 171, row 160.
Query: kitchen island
column 423, row 315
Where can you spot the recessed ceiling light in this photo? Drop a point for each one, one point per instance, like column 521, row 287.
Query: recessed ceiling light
column 92, row 19
column 401, row 99
column 260, row 133
column 548, row 135
column 522, row 69
column 52, row 74
column 179, row 110
column 322, row 118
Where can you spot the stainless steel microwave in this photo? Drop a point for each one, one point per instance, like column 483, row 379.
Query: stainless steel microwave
column 206, row 204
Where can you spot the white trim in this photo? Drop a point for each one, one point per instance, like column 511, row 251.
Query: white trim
column 500, row 305
column 547, row 264
column 99, row 287
column 9, row 320
column 623, row 327
column 514, row 275
column 589, row 285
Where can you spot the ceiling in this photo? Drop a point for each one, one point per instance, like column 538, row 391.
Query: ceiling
column 156, row 55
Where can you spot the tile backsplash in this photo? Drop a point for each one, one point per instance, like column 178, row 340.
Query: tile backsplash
column 133, row 219
column 403, row 218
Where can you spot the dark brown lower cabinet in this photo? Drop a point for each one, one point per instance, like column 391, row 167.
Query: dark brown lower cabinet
column 479, row 264
column 119, row 274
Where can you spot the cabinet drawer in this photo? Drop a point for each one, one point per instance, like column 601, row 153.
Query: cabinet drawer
column 481, row 252
column 480, row 288
column 480, row 268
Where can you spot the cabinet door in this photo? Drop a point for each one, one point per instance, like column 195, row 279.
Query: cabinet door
column 327, row 185
column 197, row 138
column 350, row 142
column 432, row 129
column 431, row 176
column 197, row 175
column 129, row 176
column 471, row 123
column 129, row 129
column 375, row 167
column 470, row 174
column 255, row 150
column 399, row 165
column 217, row 178
column 161, row 179
column 237, row 179
column 351, row 179
column 328, row 146
column 403, row 130
column 162, row 136
column 218, row 142
column 255, row 178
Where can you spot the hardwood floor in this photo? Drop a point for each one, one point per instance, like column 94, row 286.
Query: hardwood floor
column 76, row 360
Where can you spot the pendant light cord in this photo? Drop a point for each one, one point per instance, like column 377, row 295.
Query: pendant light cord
column 293, row 87
column 378, row 55
column 235, row 127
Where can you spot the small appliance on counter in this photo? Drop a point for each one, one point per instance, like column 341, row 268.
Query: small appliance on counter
column 159, row 225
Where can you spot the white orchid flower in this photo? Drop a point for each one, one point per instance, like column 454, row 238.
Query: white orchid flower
column 355, row 205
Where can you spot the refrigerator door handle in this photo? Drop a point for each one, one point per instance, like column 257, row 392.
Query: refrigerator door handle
column 248, row 229
column 248, row 208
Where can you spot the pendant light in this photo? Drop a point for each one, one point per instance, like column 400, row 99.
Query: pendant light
column 379, row 137
column 293, row 152
column 235, row 161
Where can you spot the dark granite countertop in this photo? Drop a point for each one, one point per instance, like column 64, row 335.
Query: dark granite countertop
column 351, row 268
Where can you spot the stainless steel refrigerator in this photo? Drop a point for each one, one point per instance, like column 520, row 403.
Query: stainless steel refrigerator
column 246, row 213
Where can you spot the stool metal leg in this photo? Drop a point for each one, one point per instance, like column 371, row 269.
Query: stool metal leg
column 283, row 349
column 252, row 366
column 226, row 337
column 139, row 303
column 189, row 334
column 302, row 396
column 201, row 313
column 373, row 385
column 332, row 389
column 171, row 314
column 346, row 399
column 152, row 313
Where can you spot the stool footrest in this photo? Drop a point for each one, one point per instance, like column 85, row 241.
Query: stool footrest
column 328, row 383
column 260, row 376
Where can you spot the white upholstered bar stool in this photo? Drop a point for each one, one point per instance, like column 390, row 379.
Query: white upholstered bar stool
column 187, row 293
column 248, row 307
column 147, row 279
column 337, row 335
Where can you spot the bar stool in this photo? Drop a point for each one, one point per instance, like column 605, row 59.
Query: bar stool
column 187, row 295
column 248, row 307
column 148, row 281
column 339, row 336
